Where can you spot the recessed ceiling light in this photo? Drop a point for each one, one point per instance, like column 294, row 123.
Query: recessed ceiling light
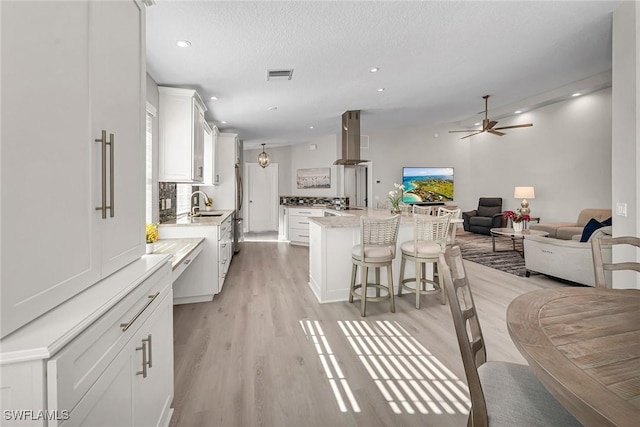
column 374, row 70
column 272, row 108
column 517, row 111
column 576, row 94
column 381, row 89
column 310, row 127
column 224, row 122
column 183, row 43
column 477, row 124
column 214, row 98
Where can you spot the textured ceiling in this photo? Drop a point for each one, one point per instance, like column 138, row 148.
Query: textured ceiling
column 436, row 59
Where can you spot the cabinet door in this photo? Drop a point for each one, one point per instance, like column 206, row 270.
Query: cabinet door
column 48, row 241
column 198, row 142
column 153, row 394
column 118, row 86
column 109, row 401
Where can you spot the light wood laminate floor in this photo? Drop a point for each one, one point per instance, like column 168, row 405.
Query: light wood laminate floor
column 264, row 352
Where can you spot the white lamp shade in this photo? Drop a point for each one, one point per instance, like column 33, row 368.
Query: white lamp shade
column 524, row 193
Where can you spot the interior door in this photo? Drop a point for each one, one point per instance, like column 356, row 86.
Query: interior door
column 262, row 186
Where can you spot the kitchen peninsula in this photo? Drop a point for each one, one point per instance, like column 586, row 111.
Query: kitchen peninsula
column 330, row 241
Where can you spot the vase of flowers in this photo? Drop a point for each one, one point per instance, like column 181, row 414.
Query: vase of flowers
column 518, row 219
column 395, row 198
column 152, row 236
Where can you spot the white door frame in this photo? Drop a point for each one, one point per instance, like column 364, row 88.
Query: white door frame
column 273, row 203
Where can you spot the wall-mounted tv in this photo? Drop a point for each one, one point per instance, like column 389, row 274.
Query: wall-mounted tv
column 428, row 184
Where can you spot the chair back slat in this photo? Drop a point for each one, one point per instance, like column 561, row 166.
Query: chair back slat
column 431, row 228
column 424, row 210
column 599, row 264
column 468, row 330
column 379, row 231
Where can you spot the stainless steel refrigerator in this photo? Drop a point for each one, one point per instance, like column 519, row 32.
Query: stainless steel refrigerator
column 238, row 235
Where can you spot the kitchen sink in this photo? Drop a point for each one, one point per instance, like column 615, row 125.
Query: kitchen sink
column 205, row 214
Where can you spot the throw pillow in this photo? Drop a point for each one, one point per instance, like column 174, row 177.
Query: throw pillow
column 588, row 230
column 488, row 210
column 607, row 222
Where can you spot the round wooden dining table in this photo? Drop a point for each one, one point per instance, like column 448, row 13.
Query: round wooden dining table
column 584, row 345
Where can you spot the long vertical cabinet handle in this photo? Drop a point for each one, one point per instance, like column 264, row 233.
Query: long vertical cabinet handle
column 149, row 361
column 144, row 359
column 111, row 177
column 103, row 143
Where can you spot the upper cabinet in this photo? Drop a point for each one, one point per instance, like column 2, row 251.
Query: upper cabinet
column 81, row 168
column 181, row 118
column 211, row 174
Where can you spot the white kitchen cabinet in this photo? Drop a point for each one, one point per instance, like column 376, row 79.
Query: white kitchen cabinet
column 181, row 135
column 298, row 222
column 81, row 360
column 225, row 249
column 206, row 274
column 84, row 63
column 211, row 175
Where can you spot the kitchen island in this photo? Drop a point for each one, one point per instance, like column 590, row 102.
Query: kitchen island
column 330, row 242
column 206, row 273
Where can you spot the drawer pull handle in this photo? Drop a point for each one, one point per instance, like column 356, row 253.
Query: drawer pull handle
column 144, row 359
column 187, row 261
column 127, row 325
column 304, row 235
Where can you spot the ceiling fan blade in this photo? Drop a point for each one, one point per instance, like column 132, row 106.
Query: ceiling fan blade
column 474, row 130
column 491, row 124
column 495, row 132
column 516, row 126
column 472, row 134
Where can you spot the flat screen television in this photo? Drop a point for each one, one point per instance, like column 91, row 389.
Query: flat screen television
column 427, row 184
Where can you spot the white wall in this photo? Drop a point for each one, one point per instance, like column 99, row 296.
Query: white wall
column 566, row 156
column 626, row 132
column 279, row 155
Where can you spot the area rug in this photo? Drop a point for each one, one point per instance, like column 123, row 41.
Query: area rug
column 477, row 248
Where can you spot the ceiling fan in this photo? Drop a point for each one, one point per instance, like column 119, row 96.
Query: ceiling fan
column 488, row 125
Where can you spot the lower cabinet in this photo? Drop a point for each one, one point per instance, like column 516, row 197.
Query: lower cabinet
column 298, row 221
column 105, row 358
column 135, row 390
column 225, row 249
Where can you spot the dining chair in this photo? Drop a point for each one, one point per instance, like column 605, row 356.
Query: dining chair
column 377, row 249
column 429, row 240
column 599, row 264
column 502, row 393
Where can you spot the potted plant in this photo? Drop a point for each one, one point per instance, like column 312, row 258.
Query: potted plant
column 395, row 198
column 517, row 218
column 152, row 236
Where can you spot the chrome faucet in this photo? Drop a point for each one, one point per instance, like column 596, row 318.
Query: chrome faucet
column 206, row 201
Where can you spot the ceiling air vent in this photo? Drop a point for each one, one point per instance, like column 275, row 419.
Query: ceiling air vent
column 279, row 75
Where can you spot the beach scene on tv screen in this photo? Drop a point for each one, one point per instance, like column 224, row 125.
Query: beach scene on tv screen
column 424, row 185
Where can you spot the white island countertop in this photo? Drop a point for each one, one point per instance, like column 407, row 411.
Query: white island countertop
column 351, row 217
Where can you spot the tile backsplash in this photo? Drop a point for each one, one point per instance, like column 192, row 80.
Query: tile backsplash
column 167, row 201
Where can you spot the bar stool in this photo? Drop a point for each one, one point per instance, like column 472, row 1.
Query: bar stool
column 429, row 240
column 424, row 210
column 453, row 224
column 377, row 248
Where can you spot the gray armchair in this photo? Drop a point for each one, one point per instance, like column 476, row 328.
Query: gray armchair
column 488, row 215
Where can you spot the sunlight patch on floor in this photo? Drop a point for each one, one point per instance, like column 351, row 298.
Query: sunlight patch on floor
column 410, row 378
column 338, row 382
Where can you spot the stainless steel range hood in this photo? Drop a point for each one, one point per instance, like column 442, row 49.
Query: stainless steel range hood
column 350, row 139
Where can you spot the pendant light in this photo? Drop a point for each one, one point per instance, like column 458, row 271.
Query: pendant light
column 263, row 158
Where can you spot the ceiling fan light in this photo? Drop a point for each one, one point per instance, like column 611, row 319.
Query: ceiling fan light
column 263, row 158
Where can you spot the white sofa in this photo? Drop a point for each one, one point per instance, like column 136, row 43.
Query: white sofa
column 565, row 259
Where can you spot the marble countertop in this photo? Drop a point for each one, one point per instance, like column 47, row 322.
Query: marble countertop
column 200, row 220
column 180, row 248
column 351, row 218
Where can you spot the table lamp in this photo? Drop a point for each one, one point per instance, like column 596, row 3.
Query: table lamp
column 524, row 193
